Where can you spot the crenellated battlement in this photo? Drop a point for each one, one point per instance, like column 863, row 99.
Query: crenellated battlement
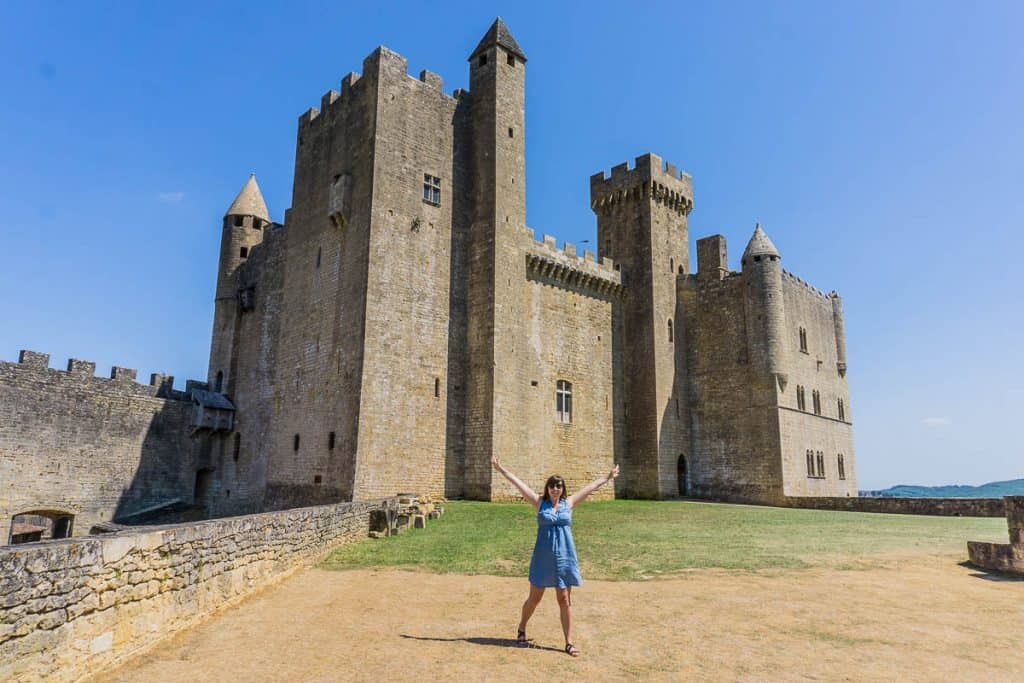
column 650, row 178
column 790, row 276
column 350, row 84
column 545, row 259
column 160, row 385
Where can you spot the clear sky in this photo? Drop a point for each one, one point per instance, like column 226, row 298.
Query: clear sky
column 880, row 145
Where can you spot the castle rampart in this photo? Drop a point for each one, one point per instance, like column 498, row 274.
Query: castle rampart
column 94, row 448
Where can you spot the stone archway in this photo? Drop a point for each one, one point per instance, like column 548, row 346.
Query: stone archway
column 41, row 525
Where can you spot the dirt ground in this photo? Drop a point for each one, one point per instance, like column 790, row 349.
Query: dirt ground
column 921, row 619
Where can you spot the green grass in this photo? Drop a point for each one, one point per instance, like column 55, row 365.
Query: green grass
column 633, row 540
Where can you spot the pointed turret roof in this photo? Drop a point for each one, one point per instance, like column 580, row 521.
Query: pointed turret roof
column 760, row 245
column 249, row 201
column 498, row 34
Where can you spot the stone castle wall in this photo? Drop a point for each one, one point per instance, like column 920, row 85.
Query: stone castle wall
column 814, row 370
column 71, row 607
column 566, row 315
column 97, row 448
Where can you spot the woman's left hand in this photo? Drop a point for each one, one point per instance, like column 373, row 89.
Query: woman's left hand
column 614, row 473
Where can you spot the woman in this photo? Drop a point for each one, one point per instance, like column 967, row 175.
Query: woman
column 554, row 562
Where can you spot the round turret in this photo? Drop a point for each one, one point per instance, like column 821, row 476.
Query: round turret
column 766, row 324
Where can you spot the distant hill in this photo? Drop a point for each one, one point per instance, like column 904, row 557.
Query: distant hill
column 995, row 489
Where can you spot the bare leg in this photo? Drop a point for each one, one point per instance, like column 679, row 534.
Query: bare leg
column 565, row 611
column 536, row 593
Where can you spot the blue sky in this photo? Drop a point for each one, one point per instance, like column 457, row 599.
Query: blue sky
column 879, row 144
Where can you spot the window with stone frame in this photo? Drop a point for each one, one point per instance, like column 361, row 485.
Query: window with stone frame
column 842, row 410
column 431, row 189
column 803, row 340
column 821, row 465
column 810, row 463
column 816, row 398
column 563, row 401
column 841, row 466
column 801, row 398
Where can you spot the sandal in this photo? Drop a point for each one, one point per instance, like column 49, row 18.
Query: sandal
column 521, row 640
column 571, row 650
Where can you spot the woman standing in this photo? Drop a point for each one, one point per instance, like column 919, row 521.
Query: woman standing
column 554, row 562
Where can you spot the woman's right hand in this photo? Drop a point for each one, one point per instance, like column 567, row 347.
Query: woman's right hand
column 497, row 465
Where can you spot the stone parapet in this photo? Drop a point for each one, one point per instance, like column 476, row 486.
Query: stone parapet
column 69, row 608
column 942, row 507
column 1001, row 556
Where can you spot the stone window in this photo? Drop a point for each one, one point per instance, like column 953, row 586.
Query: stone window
column 317, row 479
column 330, row 441
column 483, row 60
column 512, row 134
column 257, row 223
column 563, row 401
column 237, row 447
column 803, row 340
column 437, row 387
column 842, row 411
column 810, row 463
column 510, row 59
column 218, row 384
column 671, row 265
column 816, row 397
column 243, row 252
column 431, row 189
column 670, row 330
column 801, row 399
column 318, row 252
column 295, row 444
column 821, row 465
column 608, row 248
column 239, row 221
column 841, row 465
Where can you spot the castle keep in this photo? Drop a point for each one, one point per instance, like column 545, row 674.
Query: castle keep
column 403, row 326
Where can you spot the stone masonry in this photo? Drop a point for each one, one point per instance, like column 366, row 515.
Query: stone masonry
column 402, row 326
column 1001, row 556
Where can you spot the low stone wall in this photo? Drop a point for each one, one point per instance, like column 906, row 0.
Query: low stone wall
column 71, row 607
column 1000, row 556
column 943, row 507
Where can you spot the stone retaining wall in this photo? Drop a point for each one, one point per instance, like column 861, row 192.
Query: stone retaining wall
column 71, row 607
column 944, row 507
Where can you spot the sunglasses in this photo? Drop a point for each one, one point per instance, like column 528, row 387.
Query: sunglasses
column 555, row 486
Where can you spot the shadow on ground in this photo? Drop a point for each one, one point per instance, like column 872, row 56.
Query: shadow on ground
column 990, row 574
column 498, row 642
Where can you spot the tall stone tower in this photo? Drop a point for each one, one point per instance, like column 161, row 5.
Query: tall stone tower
column 766, row 317
column 243, row 228
column 642, row 225
column 497, row 74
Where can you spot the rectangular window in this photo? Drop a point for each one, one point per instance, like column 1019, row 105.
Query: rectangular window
column 810, row 463
column 563, row 401
column 821, row 465
column 243, row 252
column 510, row 59
column 842, row 411
column 431, row 189
column 842, row 466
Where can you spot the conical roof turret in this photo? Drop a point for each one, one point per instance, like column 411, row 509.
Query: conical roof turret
column 759, row 245
column 249, row 201
column 498, row 34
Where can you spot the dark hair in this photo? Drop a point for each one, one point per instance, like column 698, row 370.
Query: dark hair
column 555, row 479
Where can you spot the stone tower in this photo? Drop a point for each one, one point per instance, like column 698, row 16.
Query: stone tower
column 497, row 70
column 766, row 317
column 642, row 225
column 243, row 227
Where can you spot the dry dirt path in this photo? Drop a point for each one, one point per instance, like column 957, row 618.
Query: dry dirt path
column 926, row 619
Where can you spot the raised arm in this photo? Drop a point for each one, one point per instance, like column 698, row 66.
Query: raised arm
column 523, row 488
column 581, row 495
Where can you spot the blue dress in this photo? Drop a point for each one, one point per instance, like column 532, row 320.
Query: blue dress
column 554, row 562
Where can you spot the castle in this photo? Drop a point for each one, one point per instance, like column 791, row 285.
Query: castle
column 403, row 327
